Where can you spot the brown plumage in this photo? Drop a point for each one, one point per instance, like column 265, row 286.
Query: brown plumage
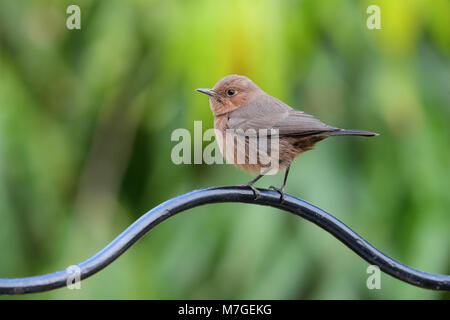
column 239, row 105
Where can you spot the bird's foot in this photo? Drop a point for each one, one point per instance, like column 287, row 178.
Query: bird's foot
column 280, row 191
column 251, row 186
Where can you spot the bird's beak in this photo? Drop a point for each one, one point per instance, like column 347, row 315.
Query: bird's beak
column 209, row 92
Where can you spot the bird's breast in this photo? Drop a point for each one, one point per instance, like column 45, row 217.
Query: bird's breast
column 244, row 153
column 220, row 125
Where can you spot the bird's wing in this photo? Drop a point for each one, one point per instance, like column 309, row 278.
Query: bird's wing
column 299, row 123
column 274, row 114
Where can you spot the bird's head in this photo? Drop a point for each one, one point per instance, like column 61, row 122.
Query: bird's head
column 230, row 93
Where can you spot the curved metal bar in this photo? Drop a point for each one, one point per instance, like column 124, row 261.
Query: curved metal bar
column 227, row 194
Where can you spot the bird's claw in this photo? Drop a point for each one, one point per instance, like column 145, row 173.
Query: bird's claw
column 280, row 191
column 251, row 186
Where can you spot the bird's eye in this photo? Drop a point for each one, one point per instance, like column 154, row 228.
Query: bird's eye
column 231, row 92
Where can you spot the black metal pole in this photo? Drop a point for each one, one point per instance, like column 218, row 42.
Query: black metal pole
column 228, row 194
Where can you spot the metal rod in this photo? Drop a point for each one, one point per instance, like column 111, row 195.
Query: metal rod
column 227, row 194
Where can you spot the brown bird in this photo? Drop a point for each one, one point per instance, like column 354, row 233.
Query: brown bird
column 239, row 105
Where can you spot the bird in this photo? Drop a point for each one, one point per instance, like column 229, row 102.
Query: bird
column 238, row 104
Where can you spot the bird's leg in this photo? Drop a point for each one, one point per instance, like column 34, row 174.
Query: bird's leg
column 250, row 185
column 281, row 190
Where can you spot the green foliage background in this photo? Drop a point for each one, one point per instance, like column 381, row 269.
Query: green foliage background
column 86, row 118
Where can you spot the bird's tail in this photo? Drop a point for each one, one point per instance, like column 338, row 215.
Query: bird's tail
column 345, row 132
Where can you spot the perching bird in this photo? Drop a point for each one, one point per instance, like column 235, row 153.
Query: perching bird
column 239, row 105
